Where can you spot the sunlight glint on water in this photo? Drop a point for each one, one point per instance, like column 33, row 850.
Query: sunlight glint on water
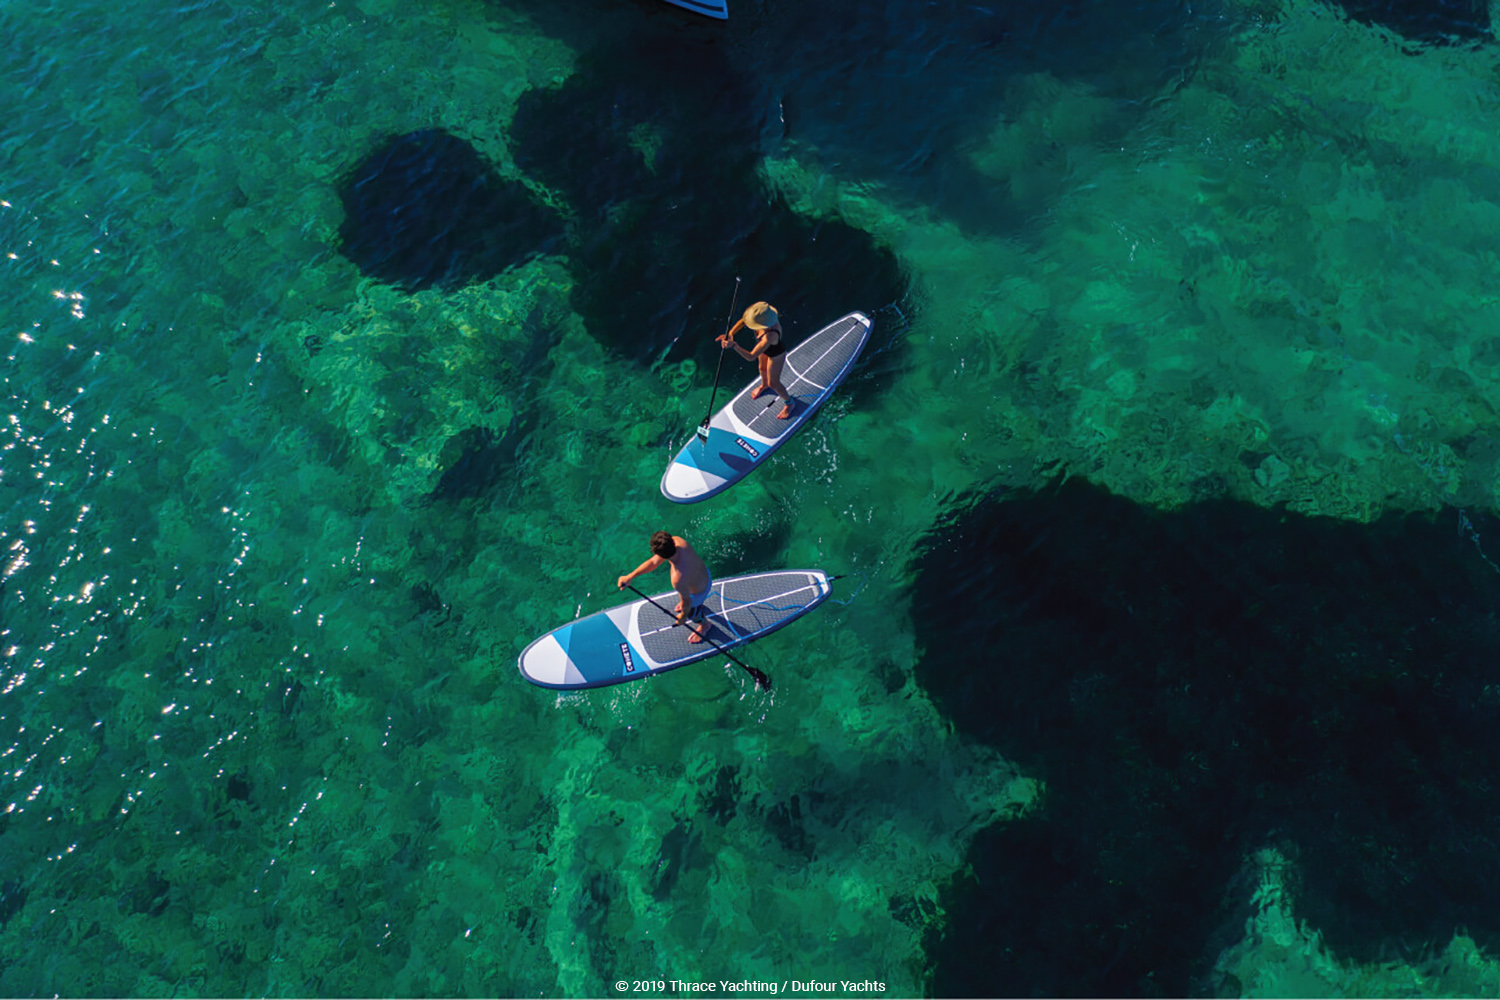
column 260, row 725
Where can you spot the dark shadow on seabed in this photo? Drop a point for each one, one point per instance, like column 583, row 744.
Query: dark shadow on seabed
column 1192, row 686
column 659, row 166
column 893, row 93
column 1438, row 22
column 425, row 210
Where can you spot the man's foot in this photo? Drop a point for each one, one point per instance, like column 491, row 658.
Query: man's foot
column 786, row 412
column 694, row 636
column 760, row 391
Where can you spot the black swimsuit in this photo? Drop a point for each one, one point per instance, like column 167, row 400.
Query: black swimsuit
column 775, row 350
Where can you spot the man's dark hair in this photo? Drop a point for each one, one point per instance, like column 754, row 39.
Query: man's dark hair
column 662, row 544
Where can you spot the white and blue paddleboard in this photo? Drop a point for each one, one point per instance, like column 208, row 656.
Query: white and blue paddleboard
column 709, row 8
column 745, row 432
column 638, row 639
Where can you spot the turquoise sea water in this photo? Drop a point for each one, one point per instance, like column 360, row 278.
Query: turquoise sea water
column 260, row 717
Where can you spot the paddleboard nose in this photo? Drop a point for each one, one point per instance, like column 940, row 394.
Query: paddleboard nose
column 546, row 662
column 685, row 482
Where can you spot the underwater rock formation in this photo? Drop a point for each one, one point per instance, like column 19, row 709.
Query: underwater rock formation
column 1425, row 20
column 1192, row 686
column 837, row 79
column 661, row 173
column 477, row 461
column 12, row 899
column 425, row 210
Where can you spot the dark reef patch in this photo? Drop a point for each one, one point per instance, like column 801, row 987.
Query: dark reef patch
column 660, row 168
column 1192, row 686
column 429, row 604
column 901, row 93
column 150, row 896
column 593, row 917
column 681, row 850
column 425, row 210
column 12, row 899
column 722, row 801
column 1433, row 21
column 785, row 819
column 238, row 788
column 480, row 463
column 477, row 461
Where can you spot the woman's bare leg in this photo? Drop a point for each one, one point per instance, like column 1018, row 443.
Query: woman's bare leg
column 764, row 364
column 773, row 377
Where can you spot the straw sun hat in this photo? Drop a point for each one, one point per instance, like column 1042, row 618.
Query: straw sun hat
column 761, row 316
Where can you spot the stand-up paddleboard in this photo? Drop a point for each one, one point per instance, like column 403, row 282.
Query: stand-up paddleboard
column 745, row 432
column 638, row 639
column 710, row 8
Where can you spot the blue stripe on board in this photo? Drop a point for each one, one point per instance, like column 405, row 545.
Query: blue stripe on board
column 725, row 459
column 595, row 646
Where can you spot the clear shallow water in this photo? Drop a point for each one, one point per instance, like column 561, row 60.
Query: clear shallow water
column 258, row 685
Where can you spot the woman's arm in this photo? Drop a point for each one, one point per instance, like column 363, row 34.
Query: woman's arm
column 729, row 334
column 762, row 343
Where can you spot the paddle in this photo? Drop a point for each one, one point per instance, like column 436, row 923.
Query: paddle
column 761, row 680
column 728, row 325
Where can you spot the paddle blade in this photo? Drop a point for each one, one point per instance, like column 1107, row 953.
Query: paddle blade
column 703, row 431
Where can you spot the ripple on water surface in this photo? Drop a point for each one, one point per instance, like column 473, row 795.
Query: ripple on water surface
column 274, row 530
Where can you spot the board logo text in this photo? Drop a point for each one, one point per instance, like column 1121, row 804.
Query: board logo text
column 746, row 445
column 625, row 655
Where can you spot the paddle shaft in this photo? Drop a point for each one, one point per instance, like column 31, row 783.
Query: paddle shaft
column 728, row 325
column 761, row 679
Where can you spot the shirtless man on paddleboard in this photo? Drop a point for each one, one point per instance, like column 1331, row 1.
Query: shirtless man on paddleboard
column 689, row 578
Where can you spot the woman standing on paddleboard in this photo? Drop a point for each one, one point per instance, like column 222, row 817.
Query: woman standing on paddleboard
column 770, row 345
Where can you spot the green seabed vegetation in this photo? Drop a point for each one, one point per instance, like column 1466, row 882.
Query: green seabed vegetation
column 1286, row 297
column 1274, row 284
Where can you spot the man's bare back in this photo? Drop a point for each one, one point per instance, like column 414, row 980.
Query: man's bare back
column 689, row 575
